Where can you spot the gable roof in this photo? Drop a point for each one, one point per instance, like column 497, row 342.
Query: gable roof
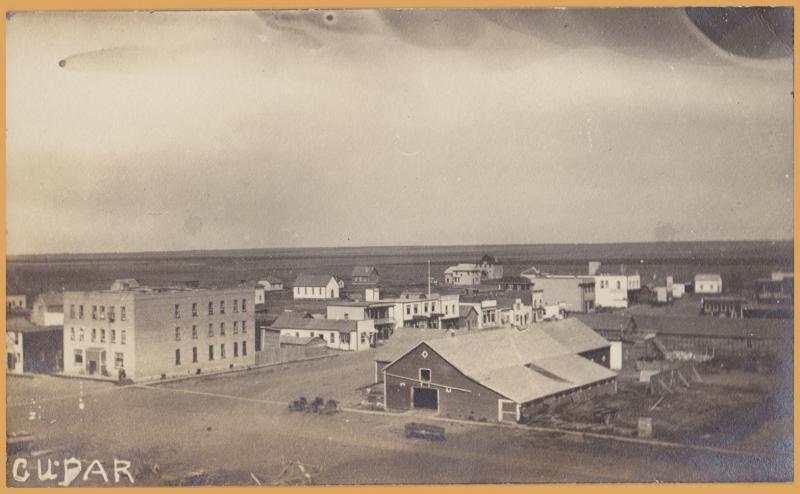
column 291, row 321
column 574, row 335
column 363, row 271
column 314, row 280
column 404, row 339
column 716, row 327
column 707, row 277
column 465, row 309
column 273, row 280
column 463, row 267
column 520, row 365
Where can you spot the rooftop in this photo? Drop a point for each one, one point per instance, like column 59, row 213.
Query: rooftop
column 363, row 271
column 573, row 334
column 716, row 327
column 604, row 321
column 707, row 277
column 292, row 321
column 523, row 365
column 315, row 280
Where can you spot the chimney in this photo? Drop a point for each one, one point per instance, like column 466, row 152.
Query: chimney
column 594, row 267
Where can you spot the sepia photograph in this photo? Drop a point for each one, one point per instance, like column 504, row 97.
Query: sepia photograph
column 399, row 246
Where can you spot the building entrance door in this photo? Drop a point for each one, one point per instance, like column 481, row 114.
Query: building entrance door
column 426, row 398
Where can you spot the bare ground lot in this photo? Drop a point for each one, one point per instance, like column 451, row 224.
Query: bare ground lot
column 238, row 424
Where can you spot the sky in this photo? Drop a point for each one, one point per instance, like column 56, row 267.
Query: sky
column 149, row 131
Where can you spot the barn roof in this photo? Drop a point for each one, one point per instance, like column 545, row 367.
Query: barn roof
column 314, row 280
column 404, row 338
column 521, row 365
column 574, row 335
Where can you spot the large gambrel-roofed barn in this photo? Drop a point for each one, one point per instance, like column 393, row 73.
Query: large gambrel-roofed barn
column 500, row 375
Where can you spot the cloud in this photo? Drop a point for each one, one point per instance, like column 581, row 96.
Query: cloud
column 218, row 130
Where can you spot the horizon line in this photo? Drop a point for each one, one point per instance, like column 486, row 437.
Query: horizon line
column 418, row 246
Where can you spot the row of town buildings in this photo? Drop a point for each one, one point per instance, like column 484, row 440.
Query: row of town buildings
column 144, row 332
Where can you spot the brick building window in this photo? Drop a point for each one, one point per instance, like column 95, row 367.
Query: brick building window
column 235, row 327
column 177, row 311
column 194, row 309
column 177, row 357
column 244, row 349
column 177, row 333
column 194, row 354
column 194, row 331
column 122, row 315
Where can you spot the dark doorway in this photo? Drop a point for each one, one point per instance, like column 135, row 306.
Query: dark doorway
column 426, row 398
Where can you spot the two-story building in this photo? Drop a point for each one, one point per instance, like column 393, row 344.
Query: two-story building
column 466, row 274
column 463, row 274
column 573, row 293
column 380, row 312
column 315, row 287
column 145, row 333
column 614, row 288
column 364, row 275
column 420, row 310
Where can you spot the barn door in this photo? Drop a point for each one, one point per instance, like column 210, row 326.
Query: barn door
column 506, row 411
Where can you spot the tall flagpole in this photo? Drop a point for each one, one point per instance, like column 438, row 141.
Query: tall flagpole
column 429, row 279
